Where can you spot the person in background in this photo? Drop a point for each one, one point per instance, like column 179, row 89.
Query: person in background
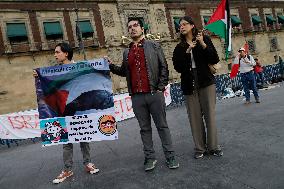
column 258, row 72
column 246, row 67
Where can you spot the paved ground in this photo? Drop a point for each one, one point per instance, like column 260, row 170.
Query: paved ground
column 251, row 137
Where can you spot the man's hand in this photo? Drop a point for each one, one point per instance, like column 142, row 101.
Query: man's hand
column 35, row 73
column 246, row 60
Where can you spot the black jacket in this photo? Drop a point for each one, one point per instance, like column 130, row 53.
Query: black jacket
column 202, row 57
column 156, row 65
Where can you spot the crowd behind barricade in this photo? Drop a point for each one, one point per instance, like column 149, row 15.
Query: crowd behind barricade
column 273, row 73
column 16, row 142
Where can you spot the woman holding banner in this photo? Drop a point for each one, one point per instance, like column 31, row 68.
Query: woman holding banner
column 192, row 57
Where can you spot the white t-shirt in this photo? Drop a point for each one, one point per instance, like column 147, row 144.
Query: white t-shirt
column 193, row 65
column 245, row 67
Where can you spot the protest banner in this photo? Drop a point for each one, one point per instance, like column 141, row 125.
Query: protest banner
column 75, row 103
column 23, row 125
column 20, row 125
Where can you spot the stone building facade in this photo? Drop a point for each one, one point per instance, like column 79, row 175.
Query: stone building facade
column 30, row 29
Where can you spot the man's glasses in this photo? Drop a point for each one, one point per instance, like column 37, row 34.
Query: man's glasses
column 133, row 25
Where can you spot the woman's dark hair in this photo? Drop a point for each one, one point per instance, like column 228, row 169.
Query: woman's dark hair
column 136, row 19
column 66, row 48
column 194, row 29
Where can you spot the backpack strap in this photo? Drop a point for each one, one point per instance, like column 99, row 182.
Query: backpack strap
column 248, row 56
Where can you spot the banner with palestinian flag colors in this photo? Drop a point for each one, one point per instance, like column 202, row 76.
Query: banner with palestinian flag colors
column 75, row 103
column 220, row 24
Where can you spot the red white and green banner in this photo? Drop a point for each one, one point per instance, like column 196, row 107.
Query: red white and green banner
column 220, row 24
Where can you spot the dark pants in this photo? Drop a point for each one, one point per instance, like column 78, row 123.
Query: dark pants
column 248, row 81
column 259, row 78
column 68, row 154
column 144, row 106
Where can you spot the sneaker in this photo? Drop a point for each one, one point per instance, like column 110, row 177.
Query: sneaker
column 257, row 100
column 149, row 164
column 247, row 102
column 62, row 177
column 91, row 168
column 172, row 163
column 217, row 153
column 198, row 155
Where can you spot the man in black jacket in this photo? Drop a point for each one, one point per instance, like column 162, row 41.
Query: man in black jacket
column 146, row 71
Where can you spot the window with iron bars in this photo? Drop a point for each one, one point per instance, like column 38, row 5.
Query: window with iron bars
column 273, row 44
column 251, row 45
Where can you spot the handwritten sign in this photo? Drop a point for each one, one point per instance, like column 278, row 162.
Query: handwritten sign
column 20, row 125
column 72, row 99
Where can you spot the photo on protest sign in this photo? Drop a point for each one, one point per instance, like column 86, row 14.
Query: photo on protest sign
column 71, row 100
column 53, row 131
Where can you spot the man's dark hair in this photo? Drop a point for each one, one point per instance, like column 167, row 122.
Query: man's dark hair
column 256, row 59
column 66, row 48
column 136, row 19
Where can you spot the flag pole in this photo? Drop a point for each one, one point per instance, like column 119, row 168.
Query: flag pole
column 78, row 32
column 220, row 24
column 228, row 38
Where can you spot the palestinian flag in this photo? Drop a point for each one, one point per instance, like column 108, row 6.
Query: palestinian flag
column 73, row 89
column 220, row 24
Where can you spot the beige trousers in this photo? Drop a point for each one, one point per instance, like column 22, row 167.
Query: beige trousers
column 201, row 114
